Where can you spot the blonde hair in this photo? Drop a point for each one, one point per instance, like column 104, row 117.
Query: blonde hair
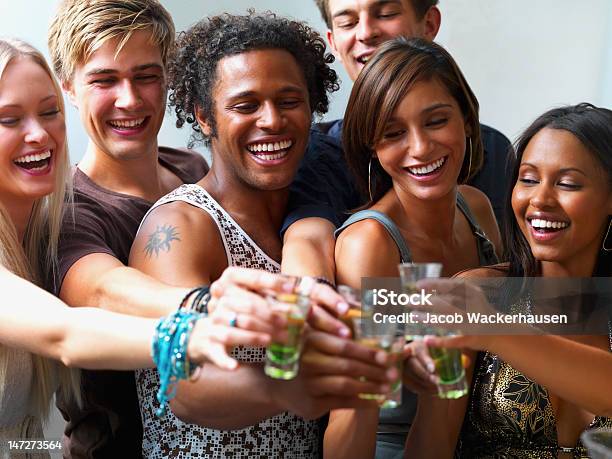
column 34, row 257
column 80, row 27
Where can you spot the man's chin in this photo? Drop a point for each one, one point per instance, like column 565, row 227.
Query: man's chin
column 132, row 153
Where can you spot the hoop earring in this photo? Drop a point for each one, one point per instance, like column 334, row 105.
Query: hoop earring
column 470, row 163
column 370, row 179
column 603, row 244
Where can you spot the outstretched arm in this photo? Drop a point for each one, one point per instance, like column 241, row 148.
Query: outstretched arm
column 98, row 339
column 83, row 337
column 308, row 248
column 197, row 258
column 100, row 280
column 556, row 362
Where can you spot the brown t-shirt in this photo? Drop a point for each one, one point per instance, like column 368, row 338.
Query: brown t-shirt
column 108, row 425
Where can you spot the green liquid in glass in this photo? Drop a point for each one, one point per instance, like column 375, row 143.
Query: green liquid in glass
column 450, row 371
column 282, row 359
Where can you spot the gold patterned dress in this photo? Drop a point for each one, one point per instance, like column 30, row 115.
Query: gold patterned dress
column 511, row 416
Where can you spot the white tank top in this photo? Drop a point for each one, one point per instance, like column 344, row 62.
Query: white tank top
column 285, row 435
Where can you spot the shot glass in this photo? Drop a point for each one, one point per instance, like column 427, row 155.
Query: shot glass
column 449, row 367
column 451, row 374
column 410, row 274
column 283, row 358
column 376, row 333
column 598, row 443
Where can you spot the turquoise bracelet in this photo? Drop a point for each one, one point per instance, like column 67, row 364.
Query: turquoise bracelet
column 169, row 353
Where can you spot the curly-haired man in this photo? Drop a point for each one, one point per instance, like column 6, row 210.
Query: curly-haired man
column 248, row 86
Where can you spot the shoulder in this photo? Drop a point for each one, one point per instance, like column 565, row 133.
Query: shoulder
column 179, row 242
column 323, row 146
column 499, row 270
column 481, row 208
column 190, row 162
column 366, row 230
column 367, row 246
column 331, row 128
column 477, row 201
column 496, row 145
column 191, row 221
column 179, row 154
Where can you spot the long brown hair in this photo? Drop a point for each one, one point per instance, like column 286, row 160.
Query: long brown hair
column 395, row 68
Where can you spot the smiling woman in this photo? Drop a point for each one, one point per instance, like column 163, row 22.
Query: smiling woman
column 411, row 136
column 563, row 178
column 33, row 180
column 562, row 202
column 540, row 392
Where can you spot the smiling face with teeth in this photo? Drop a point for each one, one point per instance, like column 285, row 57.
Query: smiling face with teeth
column 32, row 133
column 423, row 144
column 262, row 119
column 121, row 99
column 561, row 200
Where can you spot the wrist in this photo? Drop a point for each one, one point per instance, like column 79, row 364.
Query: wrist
column 277, row 393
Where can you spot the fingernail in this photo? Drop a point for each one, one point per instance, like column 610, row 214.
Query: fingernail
column 431, row 367
column 392, row 374
column 287, row 287
column 434, row 379
column 381, row 357
column 385, row 388
column 342, row 307
column 344, row 332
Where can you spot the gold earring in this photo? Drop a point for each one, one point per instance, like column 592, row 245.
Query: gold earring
column 603, row 244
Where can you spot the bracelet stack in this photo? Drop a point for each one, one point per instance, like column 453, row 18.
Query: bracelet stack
column 169, row 352
column 200, row 296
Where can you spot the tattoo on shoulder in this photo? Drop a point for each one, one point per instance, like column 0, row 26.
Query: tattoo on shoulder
column 160, row 240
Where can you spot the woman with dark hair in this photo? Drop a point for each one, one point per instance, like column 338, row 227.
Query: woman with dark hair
column 411, row 137
column 532, row 396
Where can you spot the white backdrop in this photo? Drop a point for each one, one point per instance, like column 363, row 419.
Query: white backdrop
column 521, row 57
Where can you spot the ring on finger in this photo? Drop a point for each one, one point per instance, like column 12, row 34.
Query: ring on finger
column 234, row 320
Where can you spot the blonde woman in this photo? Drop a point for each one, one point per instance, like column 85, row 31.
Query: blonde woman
column 32, row 194
column 32, row 190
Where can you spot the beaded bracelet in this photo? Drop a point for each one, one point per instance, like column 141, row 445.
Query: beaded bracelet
column 199, row 302
column 169, row 352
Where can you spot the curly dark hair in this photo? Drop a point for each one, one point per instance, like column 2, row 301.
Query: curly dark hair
column 192, row 72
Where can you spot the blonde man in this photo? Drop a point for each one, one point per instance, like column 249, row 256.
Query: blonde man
column 111, row 60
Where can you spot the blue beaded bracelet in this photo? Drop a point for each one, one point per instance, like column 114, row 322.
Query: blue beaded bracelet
column 169, row 353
